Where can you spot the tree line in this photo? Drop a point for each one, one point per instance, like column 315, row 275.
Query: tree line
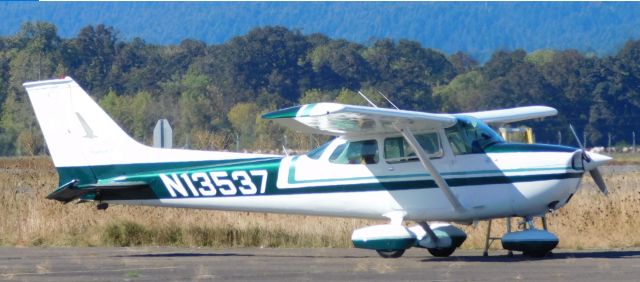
column 213, row 95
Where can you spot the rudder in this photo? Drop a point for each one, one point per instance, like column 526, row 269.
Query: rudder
column 77, row 131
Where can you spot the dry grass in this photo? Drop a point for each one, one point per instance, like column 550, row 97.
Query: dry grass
column 625, row 158
column 28, row 219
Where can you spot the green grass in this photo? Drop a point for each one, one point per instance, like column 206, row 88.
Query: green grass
column 133, row 274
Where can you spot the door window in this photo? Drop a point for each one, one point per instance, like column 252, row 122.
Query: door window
column 356, row 152
column 397, row 149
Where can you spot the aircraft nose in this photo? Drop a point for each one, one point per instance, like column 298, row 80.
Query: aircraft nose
column 596, row 160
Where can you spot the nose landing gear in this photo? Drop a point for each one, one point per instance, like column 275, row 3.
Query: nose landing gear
column 529, row 240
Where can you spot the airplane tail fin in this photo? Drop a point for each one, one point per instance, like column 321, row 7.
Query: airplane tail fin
column 86, row 145
column 77, row 131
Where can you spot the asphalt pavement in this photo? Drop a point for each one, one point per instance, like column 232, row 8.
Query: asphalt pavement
column 191, row 264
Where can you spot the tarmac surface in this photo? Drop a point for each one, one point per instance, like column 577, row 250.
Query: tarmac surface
column 190, row 264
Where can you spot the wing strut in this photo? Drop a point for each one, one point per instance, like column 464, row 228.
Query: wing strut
column 424, row 159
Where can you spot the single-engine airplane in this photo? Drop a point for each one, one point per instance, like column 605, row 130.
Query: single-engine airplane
column 432, row 169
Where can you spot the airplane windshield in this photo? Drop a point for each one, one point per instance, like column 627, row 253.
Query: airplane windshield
column 317, row 152
column 471, row 136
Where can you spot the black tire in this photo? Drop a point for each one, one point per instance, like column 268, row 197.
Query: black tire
column 441, row 252
column 390, row 253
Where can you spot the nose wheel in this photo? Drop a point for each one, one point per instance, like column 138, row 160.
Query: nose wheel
column 530, row 241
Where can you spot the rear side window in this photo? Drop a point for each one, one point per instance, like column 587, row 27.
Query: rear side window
column 358, row 152
column 317, row 152
column 397, row 149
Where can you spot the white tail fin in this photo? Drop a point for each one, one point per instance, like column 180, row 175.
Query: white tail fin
column 80, row 134
column 77, row 131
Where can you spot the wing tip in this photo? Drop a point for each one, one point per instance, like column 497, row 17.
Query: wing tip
column 290, row 112
column 31, row 84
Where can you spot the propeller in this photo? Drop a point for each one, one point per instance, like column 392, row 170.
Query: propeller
column 591, row 163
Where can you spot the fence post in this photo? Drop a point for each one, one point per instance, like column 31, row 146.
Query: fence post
column 237, row 142
column 559, row 137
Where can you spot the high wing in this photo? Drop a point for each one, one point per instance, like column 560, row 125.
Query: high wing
column 501, row 117
column 339, row 119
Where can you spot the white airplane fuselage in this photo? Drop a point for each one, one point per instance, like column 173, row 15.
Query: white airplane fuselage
column 520, row 180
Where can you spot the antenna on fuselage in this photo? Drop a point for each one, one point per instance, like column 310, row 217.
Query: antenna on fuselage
column 381, row 94
column 365, row 97
column 385, row 97
column 284, row 146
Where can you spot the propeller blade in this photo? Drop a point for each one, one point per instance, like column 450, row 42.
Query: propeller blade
column 576, row 136
column 597, row 178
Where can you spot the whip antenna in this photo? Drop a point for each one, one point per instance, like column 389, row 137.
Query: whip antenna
column 365, row 97
column 385, row 97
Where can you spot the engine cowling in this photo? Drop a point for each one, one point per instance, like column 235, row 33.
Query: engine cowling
column 532, row 242
column 383, row 237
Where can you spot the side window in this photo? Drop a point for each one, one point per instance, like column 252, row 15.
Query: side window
column 458, row 143
column 396, row 149
column 358, row 152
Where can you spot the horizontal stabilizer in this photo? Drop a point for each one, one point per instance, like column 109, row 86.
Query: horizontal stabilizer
column 67, row 192
column 71, row 191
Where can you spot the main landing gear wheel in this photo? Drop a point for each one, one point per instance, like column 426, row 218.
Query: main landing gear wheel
column 441, row 252
column 390, row 253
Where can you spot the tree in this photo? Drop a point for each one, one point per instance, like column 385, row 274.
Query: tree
column 37, row 54
column 243, row 119
column 463, row 62
column 406, row 72
column 463, row 93
column 541, row 58
column 266, row 60
column 195, row 106
column 19, row 133
column 616, row 101
column 339, row 64
column 90, row 57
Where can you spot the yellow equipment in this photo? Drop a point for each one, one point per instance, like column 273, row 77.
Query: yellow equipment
column 520, row 134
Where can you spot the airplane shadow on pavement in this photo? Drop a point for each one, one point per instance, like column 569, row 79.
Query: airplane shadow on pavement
column 517, row 257
column 621, row 254
column 213, row 254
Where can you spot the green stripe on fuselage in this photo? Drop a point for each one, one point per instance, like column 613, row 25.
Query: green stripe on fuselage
column 271, row 166
column 150, row 174
column 160, row 191
column 292, row 172
column 527, row 148
column 91, row 174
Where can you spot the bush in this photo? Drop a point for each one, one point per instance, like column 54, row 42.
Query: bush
column 126, row 233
